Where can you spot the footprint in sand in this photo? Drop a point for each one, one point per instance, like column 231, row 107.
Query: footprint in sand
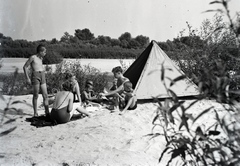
column 39, row 145
column 50, row 144
column 61, row 137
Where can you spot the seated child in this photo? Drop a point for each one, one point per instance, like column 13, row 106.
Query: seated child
column 88, row 96
column 129, row 97
column 76, row 88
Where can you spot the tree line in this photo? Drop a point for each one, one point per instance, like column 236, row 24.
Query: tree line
column 82, row 44
column 190, row 43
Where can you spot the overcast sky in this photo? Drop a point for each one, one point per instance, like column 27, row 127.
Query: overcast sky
column 157, row 19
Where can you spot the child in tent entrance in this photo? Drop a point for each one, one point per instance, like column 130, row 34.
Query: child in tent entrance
column 130, row 98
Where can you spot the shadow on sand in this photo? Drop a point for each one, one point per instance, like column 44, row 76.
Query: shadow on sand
column 43, row 120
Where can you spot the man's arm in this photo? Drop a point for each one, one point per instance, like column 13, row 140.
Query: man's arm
column 93, row 98
column 85, row 95
column 25, row 67
column 78, row 93
column 120, row 88
column 88, row 97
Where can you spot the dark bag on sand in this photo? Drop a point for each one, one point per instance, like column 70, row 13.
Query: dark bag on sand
column 41, row 121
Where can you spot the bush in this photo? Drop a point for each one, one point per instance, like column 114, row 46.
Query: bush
column 195, row 144
column 17, row 52
column 104, row 53
column 82, row 74
column 52, row 57
column 15, row 84
column 9, row 106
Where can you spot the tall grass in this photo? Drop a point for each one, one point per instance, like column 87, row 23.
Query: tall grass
column 189, row 143
column 9, row 106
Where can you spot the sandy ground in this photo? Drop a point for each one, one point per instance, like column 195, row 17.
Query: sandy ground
column 104, row 139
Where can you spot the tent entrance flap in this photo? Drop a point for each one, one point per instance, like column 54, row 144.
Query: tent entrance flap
column 135, row 70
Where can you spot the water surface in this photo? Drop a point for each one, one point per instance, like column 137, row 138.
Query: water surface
column 9, row 65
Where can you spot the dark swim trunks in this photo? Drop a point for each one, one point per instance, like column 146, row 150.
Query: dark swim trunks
column 60, row 115
column 38, row 77
column 134, row 107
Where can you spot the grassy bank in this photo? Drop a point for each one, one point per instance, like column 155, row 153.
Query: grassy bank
column 15, row 83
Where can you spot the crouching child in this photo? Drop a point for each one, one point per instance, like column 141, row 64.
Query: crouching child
column 129, row 97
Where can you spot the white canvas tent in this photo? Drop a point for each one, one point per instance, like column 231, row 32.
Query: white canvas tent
column 145, row 74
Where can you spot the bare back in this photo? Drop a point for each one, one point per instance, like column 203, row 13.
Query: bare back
column 63, row 99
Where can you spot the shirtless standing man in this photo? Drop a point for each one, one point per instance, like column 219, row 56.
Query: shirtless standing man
column 38, row 78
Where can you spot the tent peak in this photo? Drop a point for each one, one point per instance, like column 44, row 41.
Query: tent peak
column 154, row 41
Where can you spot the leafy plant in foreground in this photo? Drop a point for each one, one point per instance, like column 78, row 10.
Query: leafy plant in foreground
column 189, row 139
column 9, row 108
column 195, row 143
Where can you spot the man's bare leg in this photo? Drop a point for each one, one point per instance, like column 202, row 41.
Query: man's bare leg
column 45, row 98
column 35, row 98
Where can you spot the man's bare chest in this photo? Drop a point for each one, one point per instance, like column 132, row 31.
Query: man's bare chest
column 37, row 61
